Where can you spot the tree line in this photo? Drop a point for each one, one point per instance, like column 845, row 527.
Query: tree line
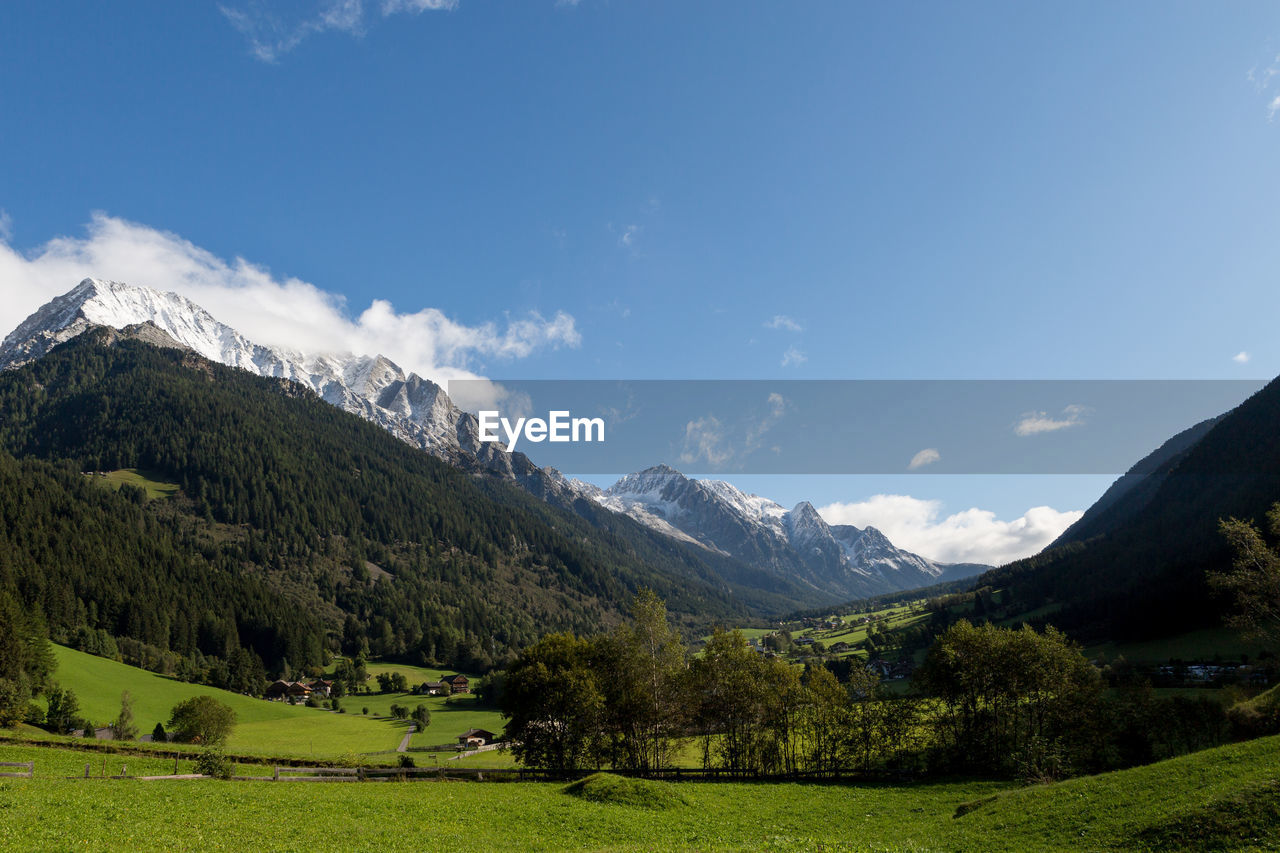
column 987, row 700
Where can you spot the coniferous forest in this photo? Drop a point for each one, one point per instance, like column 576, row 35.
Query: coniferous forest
column 298, row 530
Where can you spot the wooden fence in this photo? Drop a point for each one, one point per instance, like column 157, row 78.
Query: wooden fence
column 526, row 774
column 283, row 773
column 30, row 765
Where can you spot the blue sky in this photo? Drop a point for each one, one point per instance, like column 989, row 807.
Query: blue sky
column 705, row 190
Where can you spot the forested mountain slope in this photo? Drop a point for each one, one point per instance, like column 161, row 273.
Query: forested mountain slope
column 298, row 526
column 1140, row 573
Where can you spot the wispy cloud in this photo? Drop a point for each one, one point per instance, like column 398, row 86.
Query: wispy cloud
column 928, row 456
column 972, row 536
column 1263, row 77
column 630, row 235
column 705, row 439
column 712, row 440
column 1034, row 423
column 275, row 28
column 793, row 357
column 285, row 312
column 1241, row 357
column 785, row 323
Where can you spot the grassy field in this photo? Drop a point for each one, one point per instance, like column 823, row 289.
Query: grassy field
column 263, row 728
column 1202, row 645
column 1223, row 799
column 133, row 477
column 450, row 716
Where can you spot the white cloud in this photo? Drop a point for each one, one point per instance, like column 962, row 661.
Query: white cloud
column 793, row 357
column 928, row 456
column 783, row 322
column 275, row 28
column 390, row 7
column 1034, row 423
column 286, row 312
column 629, row 236
column 1262, row 79
column 972, row 536
column 1241, row 357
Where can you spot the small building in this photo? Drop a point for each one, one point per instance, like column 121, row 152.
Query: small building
column 457, row 683
column 321, row 687
column 434, row 688
column 282, row 689
column 476, row 737
column 277, row 689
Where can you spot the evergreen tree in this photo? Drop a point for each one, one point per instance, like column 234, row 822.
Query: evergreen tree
column 124, row 727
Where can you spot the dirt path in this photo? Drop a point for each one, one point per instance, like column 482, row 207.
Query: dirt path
column 404, row 743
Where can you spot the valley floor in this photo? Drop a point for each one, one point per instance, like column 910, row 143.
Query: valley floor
column 1225, row 799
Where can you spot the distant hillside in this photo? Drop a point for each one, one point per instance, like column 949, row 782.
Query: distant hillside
column 1134, row 566
column 262, row 728
column 298, row 527
column 1133, row 491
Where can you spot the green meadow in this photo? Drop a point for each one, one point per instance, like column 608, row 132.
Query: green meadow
column 450, row 716
column 262, row 728
column 1221, row 799
column 150, row 483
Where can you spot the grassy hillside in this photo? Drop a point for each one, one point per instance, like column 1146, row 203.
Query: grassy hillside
column 154, row 488
column 1201, row 645
column 263, row 728
column 1222, row 799
column 450, row 716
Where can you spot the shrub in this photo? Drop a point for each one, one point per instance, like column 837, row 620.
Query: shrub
column 201, row 719
column 212, row 762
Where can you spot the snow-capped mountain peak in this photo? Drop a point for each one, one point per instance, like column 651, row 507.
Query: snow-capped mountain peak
column 798, row 543
column 414, row 409
column 763, row 537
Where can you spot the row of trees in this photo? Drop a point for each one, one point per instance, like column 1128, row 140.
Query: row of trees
column 635, row 699
column 987, row 700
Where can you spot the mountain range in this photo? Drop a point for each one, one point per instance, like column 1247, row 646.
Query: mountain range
column 282, row 505
column 797, row 542
column 754, row 540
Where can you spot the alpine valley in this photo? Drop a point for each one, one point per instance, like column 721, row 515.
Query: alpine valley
column 336, row 501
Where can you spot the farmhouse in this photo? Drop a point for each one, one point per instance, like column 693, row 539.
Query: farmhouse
column 476, row 737
column 297, row 689
column 457, row 683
